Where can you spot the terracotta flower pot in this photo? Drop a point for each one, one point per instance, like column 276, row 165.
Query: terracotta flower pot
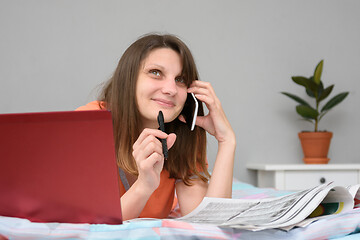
column 315, row 146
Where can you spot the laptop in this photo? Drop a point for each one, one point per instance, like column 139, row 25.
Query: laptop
column 59, row 167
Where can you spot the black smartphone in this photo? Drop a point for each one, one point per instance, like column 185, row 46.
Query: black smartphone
column 190, row 110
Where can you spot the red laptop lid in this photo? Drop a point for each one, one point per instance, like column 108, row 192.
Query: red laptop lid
column 59, row 167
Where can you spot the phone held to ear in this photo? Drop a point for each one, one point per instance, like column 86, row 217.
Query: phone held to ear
column 190, row 110
column 195, row 111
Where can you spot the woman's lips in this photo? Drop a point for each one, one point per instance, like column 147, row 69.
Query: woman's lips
column 164, row 102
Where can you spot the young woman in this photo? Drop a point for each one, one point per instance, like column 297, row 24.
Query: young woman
column 156, row 73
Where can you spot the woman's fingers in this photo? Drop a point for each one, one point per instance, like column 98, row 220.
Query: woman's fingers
column 146, row 132
column 151, row 161
column 149, row 143
column 204, row 92
column 148, row 146
column 149, row 158
column 171, row 140
column 147, row 152
column 196, row 85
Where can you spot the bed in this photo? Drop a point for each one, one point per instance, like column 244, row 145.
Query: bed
column 341, row 226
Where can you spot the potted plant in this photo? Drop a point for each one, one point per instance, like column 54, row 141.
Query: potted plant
column 315, row 144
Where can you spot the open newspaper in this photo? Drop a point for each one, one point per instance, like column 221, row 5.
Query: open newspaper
column 295, row 209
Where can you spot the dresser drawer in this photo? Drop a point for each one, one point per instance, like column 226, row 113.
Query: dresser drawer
column 298, row 180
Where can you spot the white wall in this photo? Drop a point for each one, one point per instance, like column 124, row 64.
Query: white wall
column 53, row 54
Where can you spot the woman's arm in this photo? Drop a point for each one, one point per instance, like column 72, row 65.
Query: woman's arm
column 134, row 201
column 147, row 152
column 216, row 124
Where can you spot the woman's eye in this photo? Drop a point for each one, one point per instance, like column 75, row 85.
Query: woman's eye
column 155, row 72
column 180, row 80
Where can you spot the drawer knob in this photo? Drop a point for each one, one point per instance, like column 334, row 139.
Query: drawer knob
column 322, row 180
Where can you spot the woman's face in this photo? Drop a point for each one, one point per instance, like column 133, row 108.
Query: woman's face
column 160, row 87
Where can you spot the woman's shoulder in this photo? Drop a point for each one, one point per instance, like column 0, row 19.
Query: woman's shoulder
column 94, row 105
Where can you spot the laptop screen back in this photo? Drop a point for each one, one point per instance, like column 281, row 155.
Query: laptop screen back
column 59, row 167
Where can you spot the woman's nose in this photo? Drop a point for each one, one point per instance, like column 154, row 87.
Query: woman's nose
column 169, row 87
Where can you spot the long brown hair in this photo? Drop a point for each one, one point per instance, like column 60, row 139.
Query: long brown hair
column 187, row 157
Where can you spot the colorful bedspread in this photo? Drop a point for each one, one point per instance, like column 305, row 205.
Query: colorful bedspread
column 341, row 226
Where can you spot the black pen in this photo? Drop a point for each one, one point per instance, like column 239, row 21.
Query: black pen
column 160, row 119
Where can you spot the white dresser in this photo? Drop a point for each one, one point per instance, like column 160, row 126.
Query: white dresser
column 303, row 176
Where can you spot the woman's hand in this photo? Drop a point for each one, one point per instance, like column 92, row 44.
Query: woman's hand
column 149, row 158
column 215, row 122
column 148, row 155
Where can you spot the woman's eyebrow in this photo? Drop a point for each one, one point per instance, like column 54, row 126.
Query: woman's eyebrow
column 154, row 65
column 159, row 67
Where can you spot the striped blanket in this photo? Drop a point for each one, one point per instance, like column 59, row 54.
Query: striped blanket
column 341, row 226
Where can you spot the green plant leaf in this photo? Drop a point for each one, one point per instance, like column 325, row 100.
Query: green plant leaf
column 307, row 112
column 313, row 87
column 300, row 80
column 326, row 93
column 309, row 84
column 296, row 98
column 310, row 93
column 334, row 101
column 320, row 89
column 318, row 72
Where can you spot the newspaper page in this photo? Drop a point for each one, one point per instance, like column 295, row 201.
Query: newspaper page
column 258, row 214
column 338, row 200
column 355, row 193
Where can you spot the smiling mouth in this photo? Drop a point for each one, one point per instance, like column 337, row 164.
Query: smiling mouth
column 164, row 103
